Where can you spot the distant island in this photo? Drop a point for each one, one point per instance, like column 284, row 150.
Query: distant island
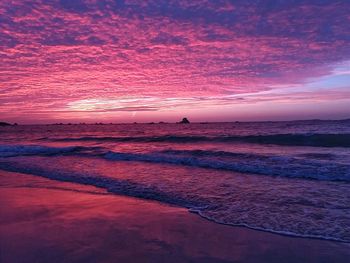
column 184, row 121
column 2, row 123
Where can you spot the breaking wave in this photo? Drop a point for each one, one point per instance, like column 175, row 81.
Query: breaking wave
column 285, row 166
column 316, row 140
column 22, row 150
column 320, row 167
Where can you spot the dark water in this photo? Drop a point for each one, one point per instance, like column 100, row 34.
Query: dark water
column 286, row 177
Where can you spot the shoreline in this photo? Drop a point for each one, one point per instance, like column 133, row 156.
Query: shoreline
column 285, row 234
column 43, row 220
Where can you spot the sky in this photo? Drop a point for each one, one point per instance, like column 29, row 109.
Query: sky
column 161, row 60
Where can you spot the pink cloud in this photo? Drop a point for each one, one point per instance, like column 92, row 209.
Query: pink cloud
column 57, row 54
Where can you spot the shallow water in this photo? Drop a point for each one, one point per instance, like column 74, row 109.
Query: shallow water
column 286, row 177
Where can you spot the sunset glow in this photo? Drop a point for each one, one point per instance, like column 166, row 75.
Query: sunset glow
column 135, row 60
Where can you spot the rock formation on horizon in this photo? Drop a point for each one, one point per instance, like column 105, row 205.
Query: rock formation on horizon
column 184, row 121
column 2, row 123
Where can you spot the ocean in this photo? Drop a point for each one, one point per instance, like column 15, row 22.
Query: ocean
column 290, row 178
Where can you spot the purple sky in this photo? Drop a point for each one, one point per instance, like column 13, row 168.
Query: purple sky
column 138, row 60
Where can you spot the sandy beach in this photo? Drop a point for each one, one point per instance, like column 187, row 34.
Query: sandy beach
column 48, row 221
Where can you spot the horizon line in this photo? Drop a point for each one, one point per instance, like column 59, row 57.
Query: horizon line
column 165, row 122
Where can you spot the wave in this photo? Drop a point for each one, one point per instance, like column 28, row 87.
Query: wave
column 316, row 140
column 22, row 150
column 165, row 138
column 284, row 166
column 112, row 185
column 309, row 166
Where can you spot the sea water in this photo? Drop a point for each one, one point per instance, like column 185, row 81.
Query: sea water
column 290, row 178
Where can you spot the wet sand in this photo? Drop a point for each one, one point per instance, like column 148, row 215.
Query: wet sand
column 48, row 221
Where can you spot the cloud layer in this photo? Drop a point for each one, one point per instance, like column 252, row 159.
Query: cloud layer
column 135, row 55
